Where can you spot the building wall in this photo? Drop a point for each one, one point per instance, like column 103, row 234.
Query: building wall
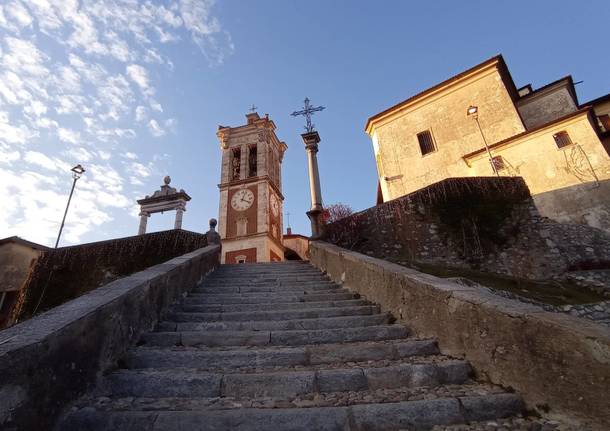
column 248, row 254
column 16, row 261
column 542, row 107
column 402, row 168
column 571, row 184
column 299, row 244
column 602, row 109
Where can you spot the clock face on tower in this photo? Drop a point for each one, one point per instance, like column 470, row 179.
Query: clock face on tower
column 242, row 200
column 275, row 205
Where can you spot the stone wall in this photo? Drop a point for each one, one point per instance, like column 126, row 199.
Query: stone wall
column 486, row 224
column 53, row 358
column 68, row 272
column 558, row 363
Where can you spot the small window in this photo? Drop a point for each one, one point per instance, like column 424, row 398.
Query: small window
column 426, row 143
column 562, row 139
column 498, row 163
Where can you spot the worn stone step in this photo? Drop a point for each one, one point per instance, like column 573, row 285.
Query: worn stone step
column 412, row 415
column 278, row 325
column 218, row 275
column 195, row 305
column 192, row 383
column 270, row 294
column 271, row 297
column 281, row 279
column 163, row 358
column 274, row 338
column 313, row 313
column 267, row 288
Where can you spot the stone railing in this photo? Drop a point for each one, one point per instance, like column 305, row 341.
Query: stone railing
column 557, row 362
column 50, row 360
column 62, row 274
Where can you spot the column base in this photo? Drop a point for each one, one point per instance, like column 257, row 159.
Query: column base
column 317, row 224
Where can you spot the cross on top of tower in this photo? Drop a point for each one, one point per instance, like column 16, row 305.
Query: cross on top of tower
column 307, row 112
column 253, row 108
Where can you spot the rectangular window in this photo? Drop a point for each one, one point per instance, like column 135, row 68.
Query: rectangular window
column 498, row 162
column 562, row 139
column 426, row 143
column 605, row 122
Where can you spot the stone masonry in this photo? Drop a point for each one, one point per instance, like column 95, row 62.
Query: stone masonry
column 279, row 346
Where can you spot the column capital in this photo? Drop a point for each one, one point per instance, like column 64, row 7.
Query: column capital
column 311, row 138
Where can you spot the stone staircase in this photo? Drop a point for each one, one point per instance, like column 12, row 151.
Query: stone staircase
column 280, row 347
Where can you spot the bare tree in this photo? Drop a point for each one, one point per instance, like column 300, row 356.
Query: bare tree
column 337, row 211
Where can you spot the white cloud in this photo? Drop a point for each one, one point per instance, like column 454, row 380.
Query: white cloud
column 155, row 129
column 140, row 113
column 14, row 134
column 139, row 75
column 68, row 135
column 42, row 160
column 18, row 14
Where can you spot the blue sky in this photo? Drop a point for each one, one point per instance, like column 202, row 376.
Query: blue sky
column 135, row 90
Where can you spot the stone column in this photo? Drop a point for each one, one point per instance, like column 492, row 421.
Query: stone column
column 143, row 221
column 311, row 140
column 179, row 213
column 243, row 168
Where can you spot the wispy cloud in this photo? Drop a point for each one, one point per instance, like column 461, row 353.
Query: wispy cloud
column 78, row 84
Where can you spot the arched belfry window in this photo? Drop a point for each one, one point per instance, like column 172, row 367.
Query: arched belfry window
column 252, row 161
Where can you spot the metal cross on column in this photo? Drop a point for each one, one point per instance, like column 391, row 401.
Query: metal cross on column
column 307, row 112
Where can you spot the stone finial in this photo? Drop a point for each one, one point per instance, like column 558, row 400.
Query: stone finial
column 167, row 180
column 213, row 236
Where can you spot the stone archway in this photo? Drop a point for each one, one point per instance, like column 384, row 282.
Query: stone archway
column 165, row 199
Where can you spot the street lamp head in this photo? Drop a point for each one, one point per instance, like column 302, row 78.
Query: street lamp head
column 472, row 111
column 77, row 171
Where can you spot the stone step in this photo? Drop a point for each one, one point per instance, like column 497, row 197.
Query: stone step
column 276, row 284
column 193, row 383
column 313, row 313
column 267, row 288
column 278, row 325
column 412, row 415
column 271, row 297
column 265, row 275
column 196, row 305
column 164, row 358
column 270, row 294
column 274, row 338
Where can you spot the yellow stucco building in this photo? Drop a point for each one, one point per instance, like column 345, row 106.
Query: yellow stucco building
column 560, row 147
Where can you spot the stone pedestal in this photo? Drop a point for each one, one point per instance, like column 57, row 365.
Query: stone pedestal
column 317, row 223
column 311, row 140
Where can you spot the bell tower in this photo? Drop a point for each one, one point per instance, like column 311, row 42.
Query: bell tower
column 251, row 199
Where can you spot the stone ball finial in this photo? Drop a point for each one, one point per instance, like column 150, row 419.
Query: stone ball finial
column 167, row 180
column 213, row 223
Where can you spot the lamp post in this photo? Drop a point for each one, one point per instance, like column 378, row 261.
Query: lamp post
column 473, row 112
column 77, row 172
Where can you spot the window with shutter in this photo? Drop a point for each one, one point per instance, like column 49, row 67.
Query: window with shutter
column 426, row 143
column 562, row 139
